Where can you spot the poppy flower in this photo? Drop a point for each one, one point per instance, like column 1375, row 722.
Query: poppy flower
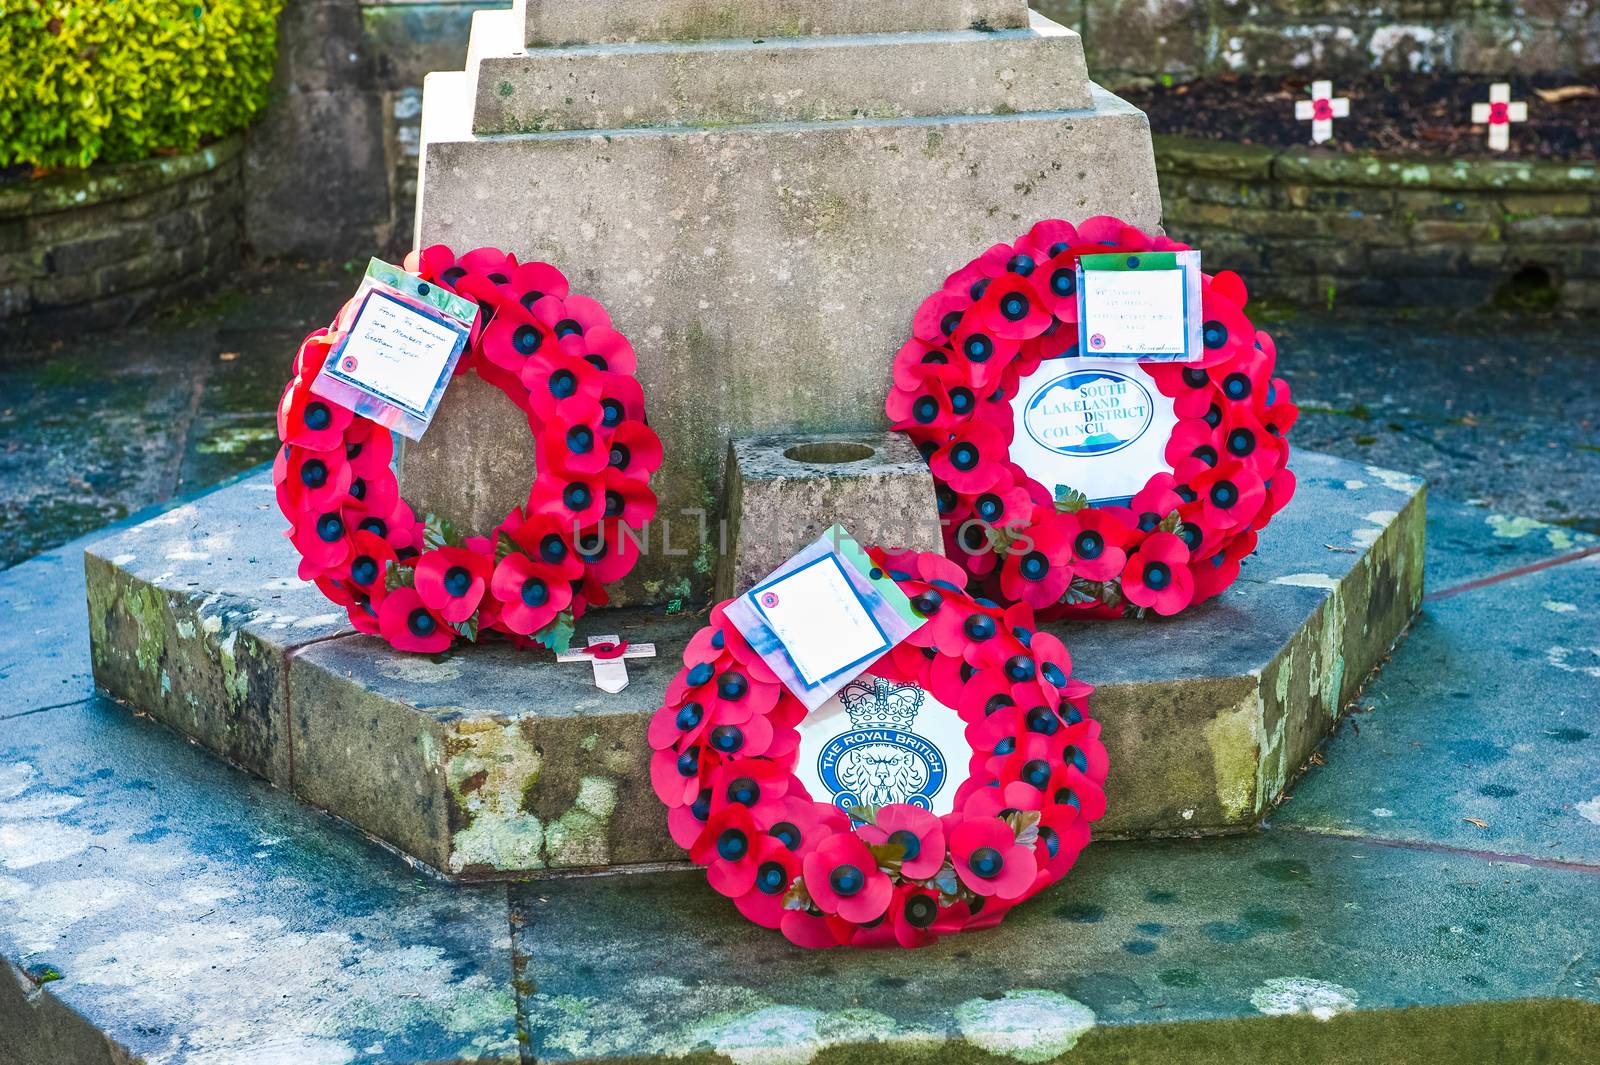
column 916, row 359
column 513, row 337
column 532, row 282
column 315, row 480
column 1012, row 308
column 1157, row 575
column 776, row 868
column 727, row 847
column 554, row 378
column 938, row 403
column 608, row 349
column 609, row 548
column 1229, row 496
column 810, row 929
column 379, row 495
column 939, row 315
column 1225, row 332
column 323, row 540
column 368, row 449
column 916, row 831
column 971, row 462
column 1099, row 547
column 1244, row 439
column 914, row 914
column 546, row 539
column 627, row 500
column 407, row 623
column 975, row 277
column 982, row 353
column 1157, row 499
column 1279, row 491
column 1063, row 833
column 1051, row 237
column 1038, row 570
column 747, row 780
column 1193, row 438
column 676, row 776
column 574, row 499
column 451, row 581
column 576, row 440
column 1217, row 571
column 799, row 823
column 989, row 860
column 844, row 879
column 531, row 592
column 366, row 570
column 635, row 450
column 1190, row 387
column 310, row 421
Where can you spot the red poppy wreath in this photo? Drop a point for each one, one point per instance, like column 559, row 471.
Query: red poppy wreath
column 736, row 762
column 986, row 349
column 420, row 584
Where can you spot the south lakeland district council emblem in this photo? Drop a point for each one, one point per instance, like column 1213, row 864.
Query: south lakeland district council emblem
column 886, row 755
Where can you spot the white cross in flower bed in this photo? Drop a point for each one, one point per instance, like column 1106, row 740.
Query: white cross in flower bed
column 1321, row 110
column 610, row 674
column 1498, row 114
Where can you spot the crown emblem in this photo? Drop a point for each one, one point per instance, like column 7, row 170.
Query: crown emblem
column 873, row 702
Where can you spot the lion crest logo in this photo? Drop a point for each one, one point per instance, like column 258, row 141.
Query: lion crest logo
column 881, row 759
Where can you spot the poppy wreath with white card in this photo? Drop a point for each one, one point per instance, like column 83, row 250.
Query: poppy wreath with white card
column 994, row 391
column 956, row 777
column 420, row 584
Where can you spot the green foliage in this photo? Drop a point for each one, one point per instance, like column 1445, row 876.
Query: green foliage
column 121, row 80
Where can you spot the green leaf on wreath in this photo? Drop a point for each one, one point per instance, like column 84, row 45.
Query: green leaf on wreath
column 437, row 532
column 1170, row 523
column 1025, row 823
column 1111, row 594
column 1000, row 539
column 1083, row 592
column 797, row 897
column 557, row 635
column 867, row 815
column 505, row 546
column 888, row 856
column 1070, row 500
column 397, row 576
column 945, row 881
column 469, row 627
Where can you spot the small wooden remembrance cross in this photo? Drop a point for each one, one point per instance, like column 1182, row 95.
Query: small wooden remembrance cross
column 1498, row 114
column 608, row 654
column 1321, row 110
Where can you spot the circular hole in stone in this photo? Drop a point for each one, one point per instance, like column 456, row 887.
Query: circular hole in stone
column 828, row 452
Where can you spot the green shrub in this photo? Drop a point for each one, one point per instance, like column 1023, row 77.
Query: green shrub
column 119, row 80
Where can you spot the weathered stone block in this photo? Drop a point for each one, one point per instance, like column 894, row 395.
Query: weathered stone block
column 1432, row 232
column 789, row 79
column 193, row 616
column 492, row 762
column 785, row 491
column 812, row 245
column 560, row 22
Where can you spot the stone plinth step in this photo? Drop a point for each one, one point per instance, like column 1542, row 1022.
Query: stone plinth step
column 562, row 22
column 791, row 79
column 766, row 273
column 492, row 762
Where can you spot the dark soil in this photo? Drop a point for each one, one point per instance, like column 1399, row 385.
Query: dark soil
column 1421, row 114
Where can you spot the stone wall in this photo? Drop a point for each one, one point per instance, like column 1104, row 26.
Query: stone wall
column 332, row 165
column 1128, row 40
column 91, row 248
column 1325, row 228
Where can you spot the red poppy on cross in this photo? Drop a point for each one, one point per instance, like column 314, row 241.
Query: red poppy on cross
column 1321, row 110
column 608, row 653
column 1498, row 114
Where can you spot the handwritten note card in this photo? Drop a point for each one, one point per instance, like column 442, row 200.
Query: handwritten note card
column 396, row 352
column 820, row 620
column 1140, row 306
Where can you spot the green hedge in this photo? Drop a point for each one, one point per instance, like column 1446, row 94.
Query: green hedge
column 119, row 80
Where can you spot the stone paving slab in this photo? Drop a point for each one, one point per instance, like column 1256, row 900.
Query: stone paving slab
column 195, row 915
column 493, row 762
column 192, row 616
column 1492, row 713
column 1259, row 948
column 783, row 79
column 557, row 22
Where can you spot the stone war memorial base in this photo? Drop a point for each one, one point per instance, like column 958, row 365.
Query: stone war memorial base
column 158, row 905
column 493, row 762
